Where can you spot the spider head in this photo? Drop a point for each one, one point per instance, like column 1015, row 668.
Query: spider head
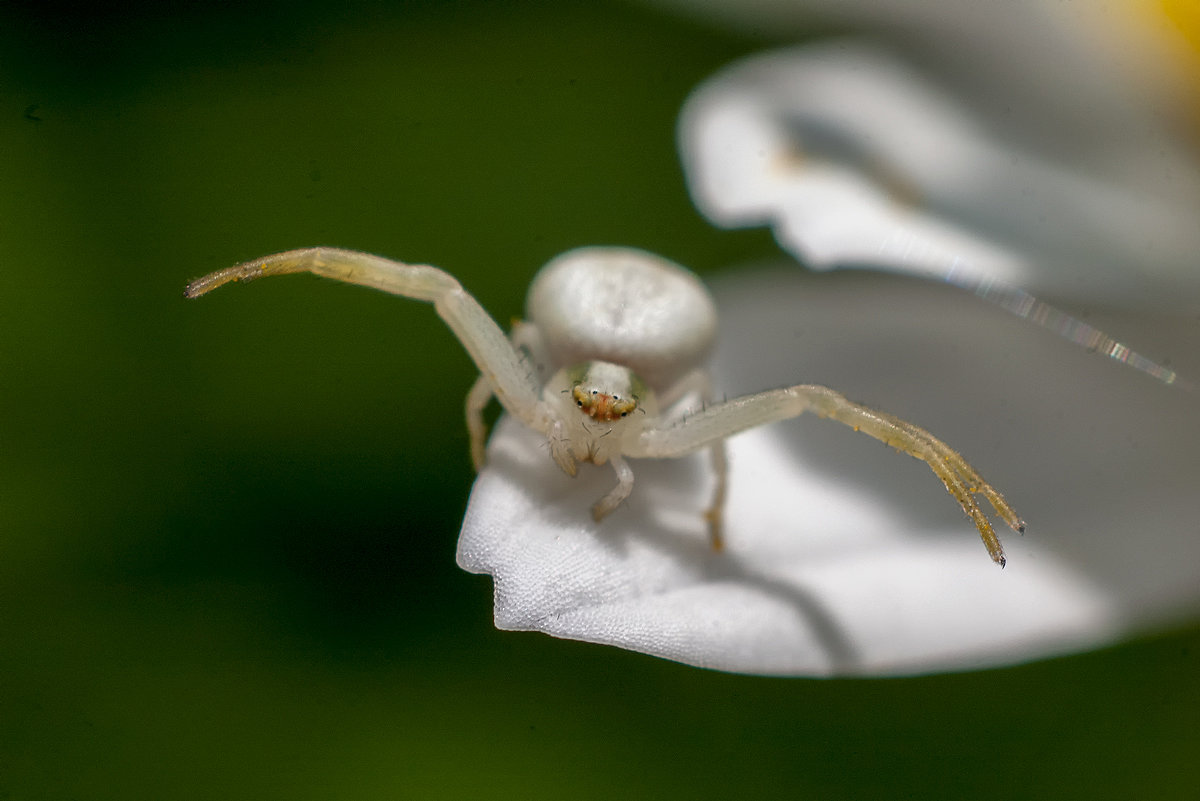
column 600, row 405
column 603, row 391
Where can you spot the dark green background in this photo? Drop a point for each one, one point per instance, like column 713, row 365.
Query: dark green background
column 227, row 527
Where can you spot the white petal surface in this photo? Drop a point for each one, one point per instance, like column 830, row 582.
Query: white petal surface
column 856, row 159
column 1108, row 88
column 844, row 557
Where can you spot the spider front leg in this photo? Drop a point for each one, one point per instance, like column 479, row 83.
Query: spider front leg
column 498, row 361
column 726, row 419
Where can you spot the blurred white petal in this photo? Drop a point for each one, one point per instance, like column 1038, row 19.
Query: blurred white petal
column 1109, row 88
column 857, row 160
column 844, row 557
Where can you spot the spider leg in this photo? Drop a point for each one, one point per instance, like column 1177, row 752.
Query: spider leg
column 477, row 401
column 498, row 361
column 618, row 493
column 714, row 515
column 527, row 341
column 700, row 382
column 716, row 422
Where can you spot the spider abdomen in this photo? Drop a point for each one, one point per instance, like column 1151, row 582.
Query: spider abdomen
column 624, row 306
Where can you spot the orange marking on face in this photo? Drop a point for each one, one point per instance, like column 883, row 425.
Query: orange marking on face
column 600, row 406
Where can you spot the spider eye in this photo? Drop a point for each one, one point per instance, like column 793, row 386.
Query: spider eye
column 579, row 404
column 624, row 414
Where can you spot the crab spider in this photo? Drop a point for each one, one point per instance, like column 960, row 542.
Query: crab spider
column 613, row 336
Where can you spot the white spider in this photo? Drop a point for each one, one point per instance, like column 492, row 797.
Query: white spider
column 612, row 334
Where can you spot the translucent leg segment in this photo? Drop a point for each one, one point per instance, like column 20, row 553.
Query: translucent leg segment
column 717, row 422
column 506, row 374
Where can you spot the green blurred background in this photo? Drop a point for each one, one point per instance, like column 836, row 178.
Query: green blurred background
column 227, row 527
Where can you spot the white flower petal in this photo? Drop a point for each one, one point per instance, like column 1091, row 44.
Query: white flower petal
column 857, row 160
column 1108, row 88
column 843, row 557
